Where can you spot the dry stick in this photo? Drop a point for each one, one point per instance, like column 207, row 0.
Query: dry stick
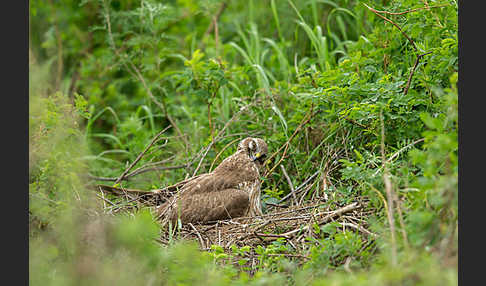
column 210, row 102
column 360, row 228
column 346, row 265
column 303, row 122
column 141, row 155
column 198, row 235
column 138, row 171
column 271, row 235
column 389, row 193
column 401, row 150
column 139, row 76
column 107, row 179
column 327, row 218
column 402, row 222
column 398, row 153
column 305, row 192
column 289, row 182
column 295, row 210
column 299, row 187
column 216, row 35
column 148, row 169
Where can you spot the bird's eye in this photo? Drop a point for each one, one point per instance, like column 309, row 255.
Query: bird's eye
column 252, row 145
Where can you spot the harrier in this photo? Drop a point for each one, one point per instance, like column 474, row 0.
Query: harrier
column 231, row 190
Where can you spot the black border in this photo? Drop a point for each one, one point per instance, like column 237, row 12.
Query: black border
column 15, row 141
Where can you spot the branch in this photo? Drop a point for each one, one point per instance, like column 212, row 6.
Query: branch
column 201, row 241
column 377, row 13
column 288, row 181
column 299, row 187
column 327, row 218
column 140, row 155
column 405, row 91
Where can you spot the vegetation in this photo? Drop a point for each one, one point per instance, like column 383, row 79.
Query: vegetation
column 362, row 93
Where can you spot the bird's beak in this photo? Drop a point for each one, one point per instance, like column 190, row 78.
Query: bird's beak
column 256, row 156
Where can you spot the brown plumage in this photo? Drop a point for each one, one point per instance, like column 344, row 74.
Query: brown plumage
column 231, row 190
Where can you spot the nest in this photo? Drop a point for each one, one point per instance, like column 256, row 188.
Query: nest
column 293, row 225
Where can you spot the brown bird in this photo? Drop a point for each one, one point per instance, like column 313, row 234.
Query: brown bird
column 231, row 190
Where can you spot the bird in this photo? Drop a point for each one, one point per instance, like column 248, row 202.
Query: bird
column 231, row 190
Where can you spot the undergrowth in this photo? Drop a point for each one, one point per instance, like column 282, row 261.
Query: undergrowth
column 107, row 76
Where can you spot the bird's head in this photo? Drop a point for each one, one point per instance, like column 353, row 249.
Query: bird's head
column 255, row 148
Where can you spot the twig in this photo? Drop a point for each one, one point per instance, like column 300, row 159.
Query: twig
column 346, row 265
column 305, row 192
column 295, row 210
column 138, row 171
column 105, row 200
column 198, row 235
column 405, row 91
column 402, row 149
column 299, row 187
column 327, row 218
column 148, row 169
column 287, row 255
column 123, row 191
column 271, row 235
column 360, row 228
column 107, row 179
column 152, row 164
column 141, row 155
column 398, row 153
column 288, row 181
column 389, row 194
column 436, row 17
column 402, row 222
column 277, row 206
column 393, row 23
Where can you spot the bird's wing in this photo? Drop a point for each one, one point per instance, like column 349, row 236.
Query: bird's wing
column 224, row 204
column 209, row 182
